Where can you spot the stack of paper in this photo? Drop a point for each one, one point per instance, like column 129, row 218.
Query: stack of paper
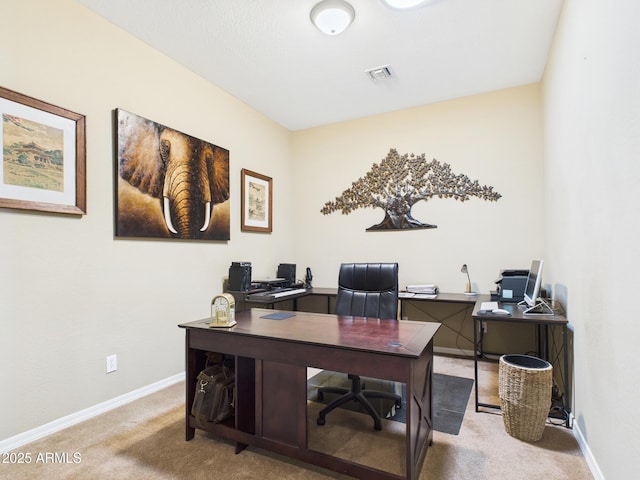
column 427, row 289
column 488, row 306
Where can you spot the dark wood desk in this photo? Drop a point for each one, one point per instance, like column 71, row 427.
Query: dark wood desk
column 245, row 300
column 453, row 311
column 271, row 360
column 465, row 301
column 462, row 298
column 540, row 322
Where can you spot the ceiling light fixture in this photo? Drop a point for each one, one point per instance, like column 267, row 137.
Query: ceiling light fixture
column 332, row 16
column 404, row 4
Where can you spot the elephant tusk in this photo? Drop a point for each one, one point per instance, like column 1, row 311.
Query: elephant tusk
column 167, row 216
column 207, row 216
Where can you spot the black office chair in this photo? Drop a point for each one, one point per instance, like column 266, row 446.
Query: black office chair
column 364, row 290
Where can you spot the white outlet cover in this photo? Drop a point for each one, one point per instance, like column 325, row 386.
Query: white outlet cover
column 112, row 363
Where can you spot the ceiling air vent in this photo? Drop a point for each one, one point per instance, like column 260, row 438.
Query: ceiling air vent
column 379, row 73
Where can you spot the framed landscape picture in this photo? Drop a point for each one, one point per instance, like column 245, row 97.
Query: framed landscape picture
column 43, row 156
column 257, row 204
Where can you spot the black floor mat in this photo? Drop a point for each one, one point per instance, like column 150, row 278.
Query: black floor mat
column 450, row 398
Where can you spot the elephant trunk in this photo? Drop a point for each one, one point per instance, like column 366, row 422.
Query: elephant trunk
column 186, row 193
column 186, row 213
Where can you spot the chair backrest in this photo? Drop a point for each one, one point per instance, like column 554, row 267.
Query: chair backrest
column 368, row 290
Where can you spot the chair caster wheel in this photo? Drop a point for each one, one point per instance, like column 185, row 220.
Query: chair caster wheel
column 320, row 421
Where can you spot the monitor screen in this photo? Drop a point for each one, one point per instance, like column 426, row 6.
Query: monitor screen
column 532, row 289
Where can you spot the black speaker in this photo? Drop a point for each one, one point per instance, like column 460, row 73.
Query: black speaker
column 239, row 277
column 288, row 272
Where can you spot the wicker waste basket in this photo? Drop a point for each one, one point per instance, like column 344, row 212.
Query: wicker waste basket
column 525, row 395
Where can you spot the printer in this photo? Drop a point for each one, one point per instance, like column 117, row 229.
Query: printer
column 511, row 286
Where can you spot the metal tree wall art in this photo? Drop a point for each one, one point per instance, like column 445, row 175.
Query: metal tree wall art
column 400, row 181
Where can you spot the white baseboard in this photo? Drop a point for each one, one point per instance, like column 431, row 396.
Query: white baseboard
column 52, row 427
column 586, row 451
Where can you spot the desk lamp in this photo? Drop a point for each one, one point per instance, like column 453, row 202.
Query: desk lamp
column 467, row 290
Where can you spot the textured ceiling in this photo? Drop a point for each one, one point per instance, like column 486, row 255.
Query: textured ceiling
column 268, row 54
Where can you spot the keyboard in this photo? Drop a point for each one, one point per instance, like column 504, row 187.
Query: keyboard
column 286, row 293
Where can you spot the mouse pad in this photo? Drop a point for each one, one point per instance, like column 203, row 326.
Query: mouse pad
column 278, row 316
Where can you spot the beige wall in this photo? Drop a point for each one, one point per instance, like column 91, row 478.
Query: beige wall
column 73, row 293
column 495, row 138
column 70, row 293
column 592, row 146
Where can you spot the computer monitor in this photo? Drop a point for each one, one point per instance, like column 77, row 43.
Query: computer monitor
column 534, row 280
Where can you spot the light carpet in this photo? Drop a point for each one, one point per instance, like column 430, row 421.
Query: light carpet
column 145, row 440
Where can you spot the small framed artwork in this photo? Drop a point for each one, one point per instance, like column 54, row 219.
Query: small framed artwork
column 43, row 156
column 257, row 205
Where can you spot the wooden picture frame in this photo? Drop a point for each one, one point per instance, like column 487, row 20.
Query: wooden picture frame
column 43, row 164
column 257, row 202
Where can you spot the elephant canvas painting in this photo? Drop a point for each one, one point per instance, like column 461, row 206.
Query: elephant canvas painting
column 170, row 184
